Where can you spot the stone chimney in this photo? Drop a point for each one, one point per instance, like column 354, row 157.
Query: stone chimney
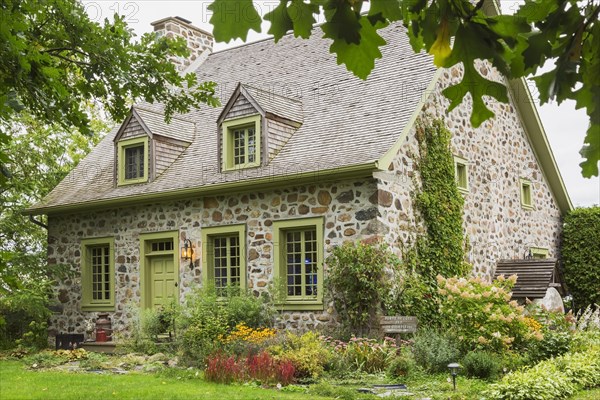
column 197, row 39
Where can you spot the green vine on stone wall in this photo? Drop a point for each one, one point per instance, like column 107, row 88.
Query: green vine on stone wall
column 440, row 248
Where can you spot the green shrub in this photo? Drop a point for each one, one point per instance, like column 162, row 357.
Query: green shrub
column 481, row 364
column 138, row 339
column 553, row 379
column 307, row 352
column 205, row 318
column 580, row 251
column 433, row 350
column 357, row 283
column 481, row 315
column 369, row 355
column 93, row 362
column 403, row 365
column 556, row 329
column 554, row 343
column 585, row 340
column 23, row 316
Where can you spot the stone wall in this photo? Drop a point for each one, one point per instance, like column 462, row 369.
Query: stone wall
column 197, row 39
column 347, row 207
column 498, row 154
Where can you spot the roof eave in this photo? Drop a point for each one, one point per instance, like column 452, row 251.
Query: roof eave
column 539, row 142
column 264, row 183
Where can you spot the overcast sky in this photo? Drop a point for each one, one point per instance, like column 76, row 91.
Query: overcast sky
column 564, row 125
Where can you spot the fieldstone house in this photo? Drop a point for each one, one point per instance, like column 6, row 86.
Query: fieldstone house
column 300, row 157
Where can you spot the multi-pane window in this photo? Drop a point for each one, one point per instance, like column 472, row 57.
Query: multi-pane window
column 241, row 142
column 134, row 162
column 97, row 274
column 298, row 269
column 224, row 257
column 162, row 245
column 244, row 146
column 100, row 264
column 225, row 262
column 301, row 262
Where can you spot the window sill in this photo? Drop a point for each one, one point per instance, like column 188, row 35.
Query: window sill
column 99, row 307
column 132, row 182
column 241, row 167
column 463, row 191
column 300, row 306
column 527, row 208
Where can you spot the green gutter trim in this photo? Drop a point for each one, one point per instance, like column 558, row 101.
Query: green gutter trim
column 270, row 182
column 530, row 118
column 389, row 155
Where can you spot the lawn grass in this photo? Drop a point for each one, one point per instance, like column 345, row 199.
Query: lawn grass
column 17, row 382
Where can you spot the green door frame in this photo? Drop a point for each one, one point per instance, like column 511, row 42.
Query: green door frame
column 146, row 252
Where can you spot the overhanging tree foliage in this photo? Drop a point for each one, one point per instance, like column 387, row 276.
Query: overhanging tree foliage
column 54, row 59
column 41, row 156
column 563, row 32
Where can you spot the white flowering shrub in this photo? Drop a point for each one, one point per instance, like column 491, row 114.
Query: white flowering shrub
column 481, row 314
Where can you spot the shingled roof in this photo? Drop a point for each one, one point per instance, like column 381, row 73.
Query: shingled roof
column 347, row 123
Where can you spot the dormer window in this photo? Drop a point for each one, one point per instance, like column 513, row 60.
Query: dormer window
column 133, row 160
column 241, row 143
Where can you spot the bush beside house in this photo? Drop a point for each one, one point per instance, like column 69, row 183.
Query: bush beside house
column 580, row 251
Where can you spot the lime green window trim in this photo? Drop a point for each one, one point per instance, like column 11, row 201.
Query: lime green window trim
column 149, row 249
column 241, row 143
column 526, row 194
column 98, row 274
column 133, row 161
column 298, row 247
column 539, row 252
column 224, row 257
column 461, row 174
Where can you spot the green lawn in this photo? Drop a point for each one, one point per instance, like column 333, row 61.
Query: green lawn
column 16, row 382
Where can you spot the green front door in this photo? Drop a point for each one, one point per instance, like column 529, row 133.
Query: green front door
column 162, row 285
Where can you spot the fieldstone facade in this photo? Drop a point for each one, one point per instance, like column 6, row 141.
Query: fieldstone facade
column 349, row 209
column 498, row 154
column 378, row 206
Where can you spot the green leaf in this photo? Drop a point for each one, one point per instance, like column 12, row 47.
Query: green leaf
column 302, row 15
column 360, row 58
column 467, row 47
column 389, row 9
column 591, row 152
column 342, row 23
column 232, row 19
column 280, row 20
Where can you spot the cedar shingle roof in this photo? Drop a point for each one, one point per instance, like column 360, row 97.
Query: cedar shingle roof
column 177, row 128
column 345, row 121
column 273, row 103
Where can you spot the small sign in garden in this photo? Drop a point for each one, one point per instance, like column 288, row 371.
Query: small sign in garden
column 398, row 324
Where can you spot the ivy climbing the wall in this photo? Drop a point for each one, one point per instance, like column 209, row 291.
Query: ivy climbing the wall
column 440, row 248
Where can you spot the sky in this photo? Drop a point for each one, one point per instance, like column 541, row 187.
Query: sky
column 564, row 126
